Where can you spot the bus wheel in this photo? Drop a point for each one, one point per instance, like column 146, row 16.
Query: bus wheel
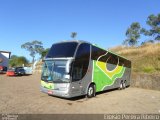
column 124, row 84
column 121, row 85
column 91, row 91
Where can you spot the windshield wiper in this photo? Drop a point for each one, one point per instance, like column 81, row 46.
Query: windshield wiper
column 60, row 81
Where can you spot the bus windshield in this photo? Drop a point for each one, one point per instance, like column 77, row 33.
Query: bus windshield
column 54, row 71
column 62, row 50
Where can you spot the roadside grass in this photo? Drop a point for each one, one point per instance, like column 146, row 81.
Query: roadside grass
column 145, row 59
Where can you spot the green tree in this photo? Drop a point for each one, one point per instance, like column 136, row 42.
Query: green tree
column 44, row 52
column 73, row 35
column 33, row 47
column 16, row 61
column 154, row 23
column 13, row 61
column 132, row 34
column 147, row 41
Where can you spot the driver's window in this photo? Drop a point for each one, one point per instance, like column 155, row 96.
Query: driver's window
column 80, row 65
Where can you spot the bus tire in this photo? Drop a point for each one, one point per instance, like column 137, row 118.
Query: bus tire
column 121, row 85
column 124, row 84
column 91, row 91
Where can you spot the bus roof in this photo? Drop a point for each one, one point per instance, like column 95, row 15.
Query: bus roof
column 78, row 41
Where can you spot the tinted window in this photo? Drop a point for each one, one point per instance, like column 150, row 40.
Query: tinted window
column 96, row 52
column 62, row 50
column 21, row 70
column 109, row 57
column 83, row 52
column 80, row 66
column 112, row 59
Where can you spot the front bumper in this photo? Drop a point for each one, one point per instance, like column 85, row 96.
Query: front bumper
column 64, row 94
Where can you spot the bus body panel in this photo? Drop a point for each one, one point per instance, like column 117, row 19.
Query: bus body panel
column 109, row 69
column 106, row 81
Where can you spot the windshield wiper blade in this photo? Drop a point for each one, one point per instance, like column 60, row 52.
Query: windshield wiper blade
column 57, row 80
column 60, row 81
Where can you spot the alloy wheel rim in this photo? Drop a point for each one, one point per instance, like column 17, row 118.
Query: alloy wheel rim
column 90, row 91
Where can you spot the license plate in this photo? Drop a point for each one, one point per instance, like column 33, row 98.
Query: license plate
column 50, row 92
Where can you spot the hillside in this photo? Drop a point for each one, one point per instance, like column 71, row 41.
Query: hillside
column 145, row 59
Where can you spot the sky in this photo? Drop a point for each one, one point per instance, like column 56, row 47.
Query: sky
column 101, row 22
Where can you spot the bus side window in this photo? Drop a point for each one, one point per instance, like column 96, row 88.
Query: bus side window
column 77, row 71
column 80, row 65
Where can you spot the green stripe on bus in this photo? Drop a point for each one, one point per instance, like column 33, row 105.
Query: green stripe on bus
column 103, row 78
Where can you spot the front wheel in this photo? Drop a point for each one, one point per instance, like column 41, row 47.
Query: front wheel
column 121, row 85
column 91, row 91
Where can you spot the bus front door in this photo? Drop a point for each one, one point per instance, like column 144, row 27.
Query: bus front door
column 76, row 88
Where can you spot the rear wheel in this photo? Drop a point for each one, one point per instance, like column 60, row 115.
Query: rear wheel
column 91, row 91
column 124, row 84
column 121, row 85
